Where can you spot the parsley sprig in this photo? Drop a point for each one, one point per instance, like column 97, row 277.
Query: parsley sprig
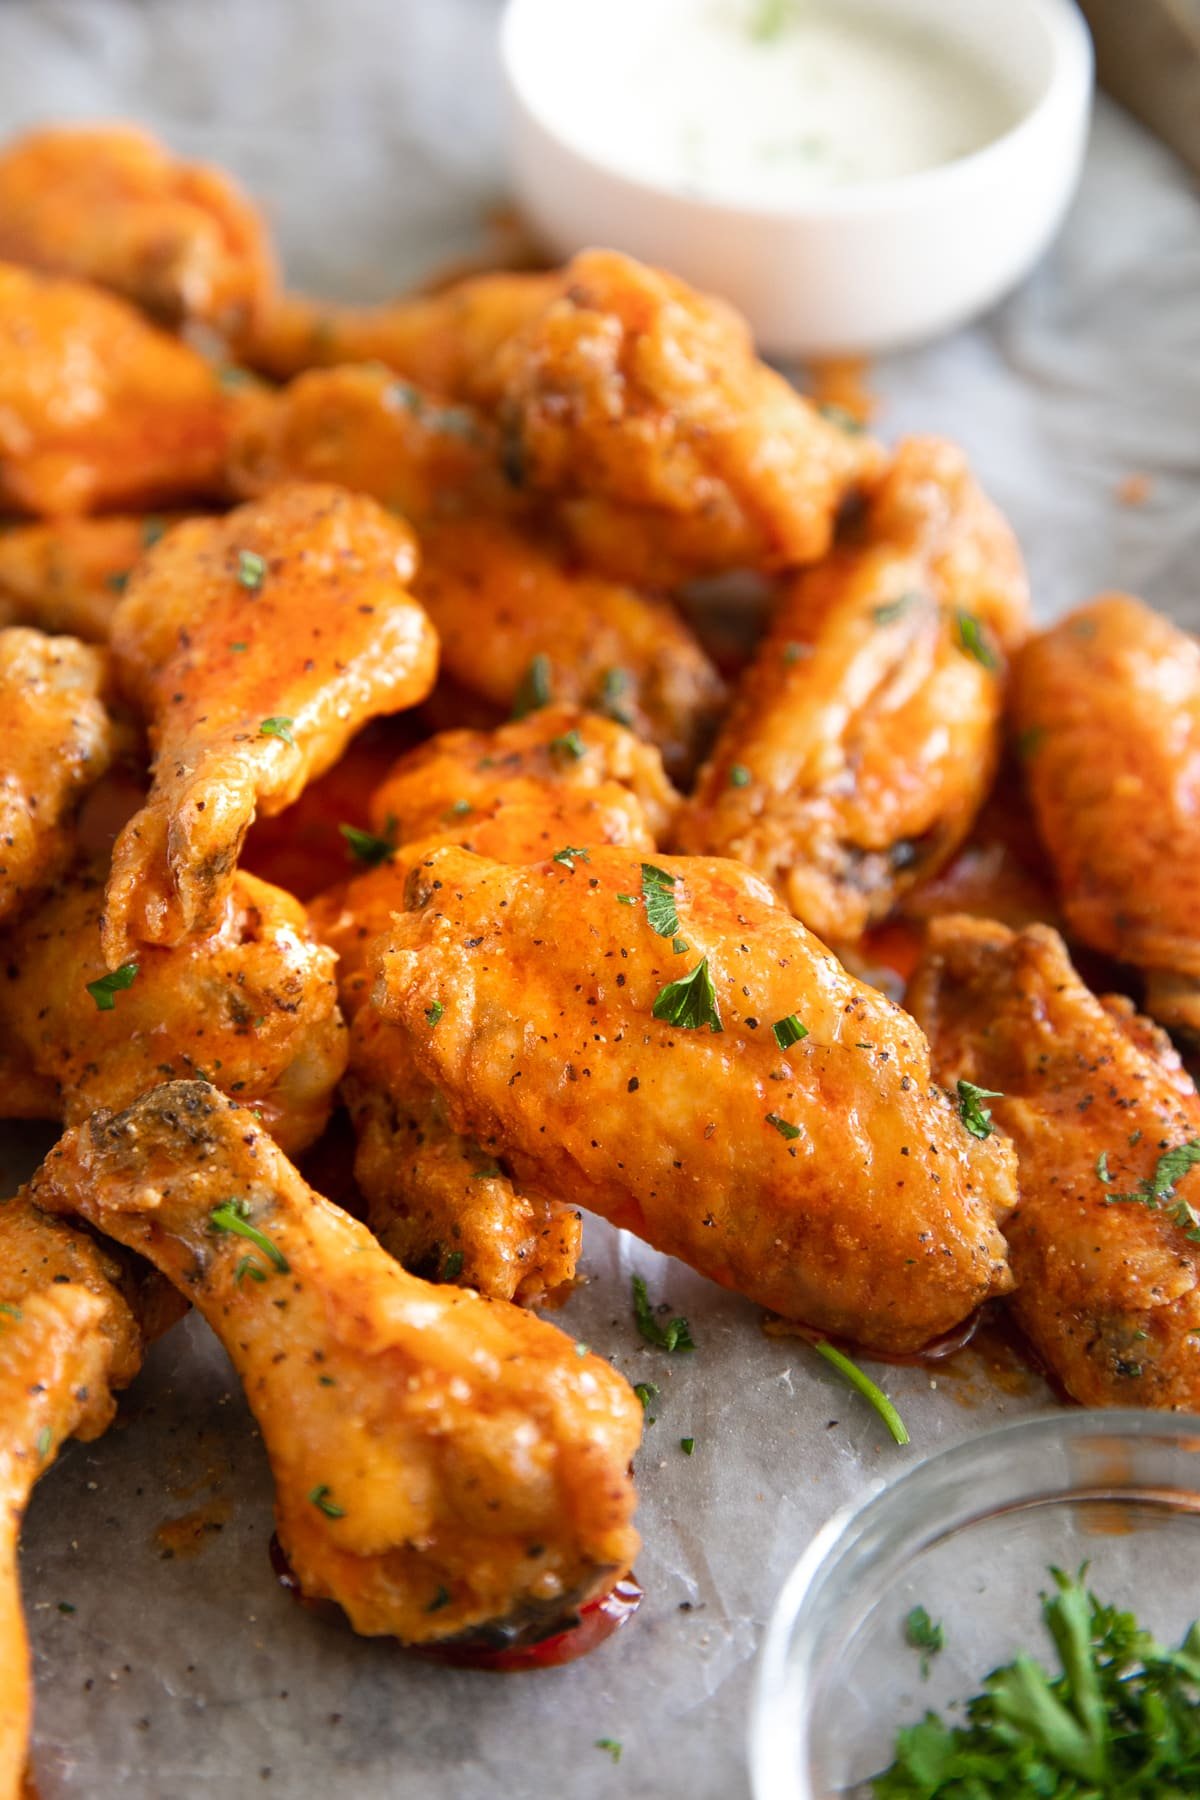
column 1118, row 1720
column 1157, row 1191
column 690, row 1002
column 974, row 1114
column 658, row 892
column 234, row 1216
column 105, row 988
column 673, row 1336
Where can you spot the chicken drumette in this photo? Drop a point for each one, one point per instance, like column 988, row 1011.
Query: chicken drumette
column 1105, row 1243
column 56, row 741
column 864, row 735
column 109, row 204
column 255, row 644
column 1106, row 706
column 444, row 1465
column 667, row 1046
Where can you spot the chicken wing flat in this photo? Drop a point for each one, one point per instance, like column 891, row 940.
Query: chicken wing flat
column 445, row 342
column 56, row 741
column 739, row 1101
column 669, row 449
column 442, row 1463
column 436, row 1200
column 864, row 736
column 251, row 1004
column 1106, row 706
column 53, row 1364
column 503, row 598
column 109, row 204
column 256, row 645
column 68, row 575
column 1104, row 1242
column 99, row 409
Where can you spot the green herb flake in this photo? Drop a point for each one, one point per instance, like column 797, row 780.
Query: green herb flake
column 687, row 1445
column 974, row 1114
column 251, row 569
column 611, row 1745
column 64, row 1606
column 675, row 1336
column 45, row 1440
column 239, row 647
column 105, row 988
column 1102, row 1173
column 972, row 640
column 794, row 653
column 440, row 1599
column 1030, row 741
column 863, row 1384
column 582, row 1349
column 533, row 689
column 895, row 609
column 568, row 856
column 152, row 529
column 434, row 1013
column 278, row 727
column 234, row 1216
column 321, row 1498
column 658, row 892
column 924, row 1634
column 11, row 1311
column 626, row 900
column 646, row 1391
column 249, row 1266
column 690, row 1002
column 789, row 1031
column 614, row 683
column 118, row 581
column 783, row 1126
column 1157, row 1192
column 837, row 415
column 739, row 775
column 452, row 1267
column 569, row 747
column 368, row 848
column 680, row 946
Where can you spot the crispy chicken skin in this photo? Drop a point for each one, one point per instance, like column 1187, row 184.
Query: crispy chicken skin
column 253, row 1003
column 669, row 449
column 100, row 410
column 53, row 1363
column 255, row 645
column 108, row 203
column 68, row 575
column 864, row 735
column 56, row 741
column 437, row 1200
column 445, row 342
column 496, row 587
column 442, row 1463
column 1107, row 1289
column 831, row 1181
column 1106, row 705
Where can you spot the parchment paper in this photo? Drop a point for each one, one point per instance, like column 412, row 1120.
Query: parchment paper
column 371, row 128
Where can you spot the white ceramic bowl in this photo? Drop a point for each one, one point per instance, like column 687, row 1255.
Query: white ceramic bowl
column 861, row 268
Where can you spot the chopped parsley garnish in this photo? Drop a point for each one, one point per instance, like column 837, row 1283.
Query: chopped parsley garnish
column 251, row 569
column 64, row 1606
column 278, row 727
column 626, row 900
column 249, row 1266
column 239, row 646
column 433, row 1013
column 367, row 848
column 687, row 1445
column 837, row 415
column 440, row 1599
column 613, row 684
column 1117, row 1719
column 739, row 775
column 14, row 1312
column 1157, row 1192
column 105, row 988
column 452, row 1268
column 118, row 581
column 924, row 1634
column 794, row 653
column 689, row 1002
column 533, row 689
column 865, row 1386
column 783, row 1126
column 152, row 530
column 612, row 1745
column 972, row 641
column 895, row 609
column 679, row 946
column 320, row 1498
column 234, row 1216
column 567, row 855
column 674, row 1336
column 789, row 1031
column 570, row 746
column 1102, row 1167
column 45, row 1439
column 974, row 1114
column 646, row 1391
column 658, row 891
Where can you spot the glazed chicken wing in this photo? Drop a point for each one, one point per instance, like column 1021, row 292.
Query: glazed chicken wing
column 256, row 644
column 1105, row 1244
column 68, row 575
column 442, row 1463
column 53, row 1368
column 1106, row 705
column 251, row 1004
column 437, row 1200
column 446, row 342
column 865, row 733
column 99, row 409
column 56, row 741
column 109, row 204
column 668, row 448
column 504, row 600
column 724, row 1089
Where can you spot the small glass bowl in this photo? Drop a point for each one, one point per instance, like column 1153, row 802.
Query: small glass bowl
column 970, row 1535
